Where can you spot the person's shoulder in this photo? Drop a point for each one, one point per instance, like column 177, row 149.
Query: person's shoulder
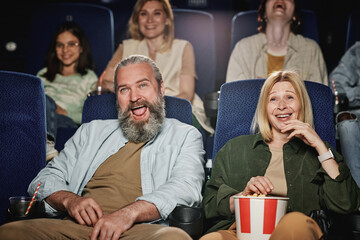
column 91, row 73
column 100, row 125
column 243, row 139
column 41, row 72
column 300, row 40
column 178, row 42
column 255, row 37
column 354, row 49
column 174, row 125
column 356, row 45
column 239, row 143
column 254, row 40
column 130, row 42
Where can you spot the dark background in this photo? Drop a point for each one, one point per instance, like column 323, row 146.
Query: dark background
column 332, row 16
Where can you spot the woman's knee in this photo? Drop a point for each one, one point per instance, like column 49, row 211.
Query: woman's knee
column 220, row 235
column 296, row 225
column 172, row 233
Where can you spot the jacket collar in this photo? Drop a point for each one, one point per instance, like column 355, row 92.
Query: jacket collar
column 295, row 143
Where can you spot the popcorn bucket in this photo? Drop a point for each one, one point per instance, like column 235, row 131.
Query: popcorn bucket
column 257, row 217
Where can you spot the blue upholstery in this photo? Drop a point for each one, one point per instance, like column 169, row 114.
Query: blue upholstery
column 198, row 28
column 353, row 30
column 99, row 107
column 237, row 105
column 104, row 107
column 22, row 134
column 122, row 10
column 178, row 108
column 245, row 24
column 96, row 21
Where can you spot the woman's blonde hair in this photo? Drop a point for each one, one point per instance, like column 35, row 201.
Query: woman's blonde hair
column 169, row 27
column 261, row 122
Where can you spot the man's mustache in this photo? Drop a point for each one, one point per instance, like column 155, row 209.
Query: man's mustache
column 136, row 104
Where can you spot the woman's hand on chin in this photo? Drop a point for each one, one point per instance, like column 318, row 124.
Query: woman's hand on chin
column 303, row 131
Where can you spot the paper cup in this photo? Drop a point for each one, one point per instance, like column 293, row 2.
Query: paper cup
column 257, row 217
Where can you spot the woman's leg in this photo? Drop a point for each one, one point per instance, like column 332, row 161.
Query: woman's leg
column 296, row 226
column 229, row 234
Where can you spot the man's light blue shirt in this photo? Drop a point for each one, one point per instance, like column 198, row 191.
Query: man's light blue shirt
column 171, row 164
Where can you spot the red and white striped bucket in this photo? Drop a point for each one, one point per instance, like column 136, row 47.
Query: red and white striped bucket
column 257, row 217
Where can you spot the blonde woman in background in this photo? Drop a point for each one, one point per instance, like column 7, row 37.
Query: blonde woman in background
column 151, row 28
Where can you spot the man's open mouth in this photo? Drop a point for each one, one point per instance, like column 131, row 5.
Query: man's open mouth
column 139, row 110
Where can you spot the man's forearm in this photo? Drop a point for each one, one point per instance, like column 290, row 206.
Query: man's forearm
column 59, row 200
column 141, row 211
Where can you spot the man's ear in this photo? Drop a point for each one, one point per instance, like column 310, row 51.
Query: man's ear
column 162, row 89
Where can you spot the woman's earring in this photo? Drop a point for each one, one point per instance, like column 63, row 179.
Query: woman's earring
column 295, row 20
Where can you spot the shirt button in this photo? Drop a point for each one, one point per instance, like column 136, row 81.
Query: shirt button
column 290, row 184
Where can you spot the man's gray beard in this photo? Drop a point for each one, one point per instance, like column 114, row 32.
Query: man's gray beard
column 143, row 131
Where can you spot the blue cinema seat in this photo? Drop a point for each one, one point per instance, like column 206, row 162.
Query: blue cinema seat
column 198, row 28
column 22, row 134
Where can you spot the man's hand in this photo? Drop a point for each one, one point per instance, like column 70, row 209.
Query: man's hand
column 86, row 211
column 111, row 226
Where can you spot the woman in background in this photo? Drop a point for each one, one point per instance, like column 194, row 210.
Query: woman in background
column 151, row 27
column 68, row 77
column 277, row 47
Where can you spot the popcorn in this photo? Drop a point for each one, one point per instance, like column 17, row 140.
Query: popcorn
column 255, row 195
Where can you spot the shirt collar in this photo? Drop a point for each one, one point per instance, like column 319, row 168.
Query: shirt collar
column 291, row 42
column 295, row 143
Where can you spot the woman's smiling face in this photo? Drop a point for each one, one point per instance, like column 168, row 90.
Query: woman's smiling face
column 152, row 20
column 283, row 105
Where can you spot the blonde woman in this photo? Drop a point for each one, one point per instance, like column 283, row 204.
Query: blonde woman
column 151, row 28
column 285, row 157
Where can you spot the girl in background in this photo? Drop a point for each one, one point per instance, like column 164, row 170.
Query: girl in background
column 68, row 77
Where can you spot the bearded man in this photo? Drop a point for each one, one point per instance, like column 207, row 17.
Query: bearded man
column 114, row 176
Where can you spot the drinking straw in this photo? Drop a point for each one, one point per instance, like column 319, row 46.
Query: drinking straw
column 33, row 199
column 100, row 82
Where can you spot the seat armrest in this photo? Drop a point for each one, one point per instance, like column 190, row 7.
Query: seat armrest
column 189, row 219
